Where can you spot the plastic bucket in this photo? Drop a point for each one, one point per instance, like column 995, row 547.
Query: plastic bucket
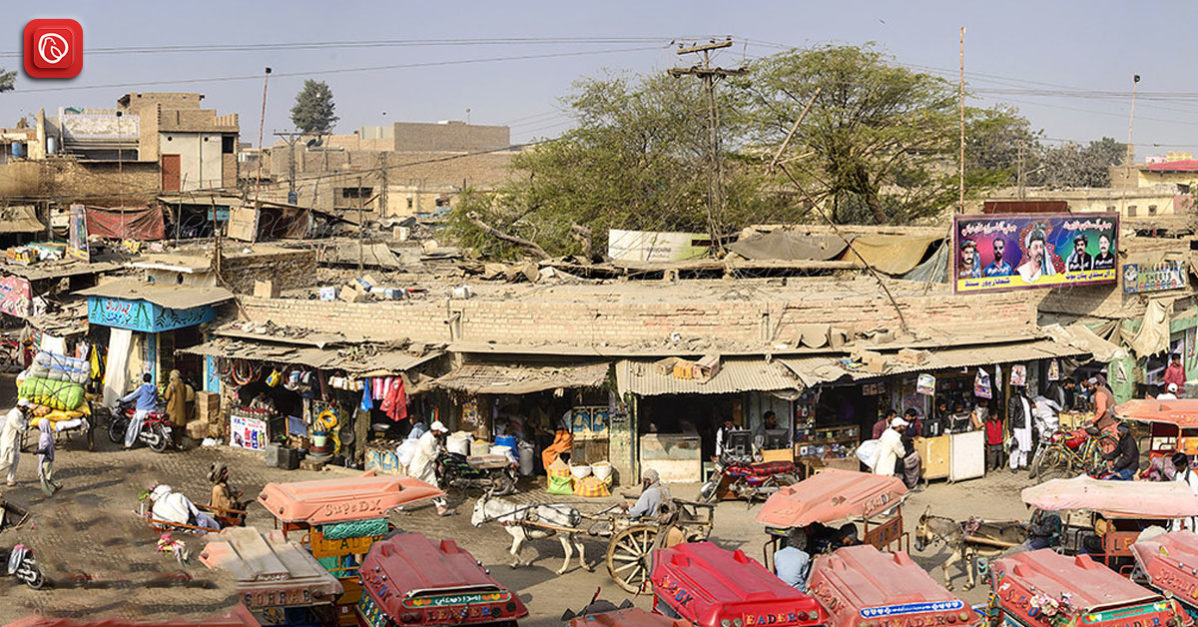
column 527, row 457
column 506, row 440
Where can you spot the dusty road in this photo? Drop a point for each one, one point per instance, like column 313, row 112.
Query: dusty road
column 89, row 526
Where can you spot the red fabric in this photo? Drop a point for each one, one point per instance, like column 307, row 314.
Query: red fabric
column 993, row 432
column 139, row 223
column 1176, row 374
column 880, row 428
column 395, row 405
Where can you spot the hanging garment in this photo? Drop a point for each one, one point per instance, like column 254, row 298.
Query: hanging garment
column 396, row 403
column 367, row 403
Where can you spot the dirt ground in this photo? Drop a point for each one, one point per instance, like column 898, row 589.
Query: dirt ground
column 90, row 527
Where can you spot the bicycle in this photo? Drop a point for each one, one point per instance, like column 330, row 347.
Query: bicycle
column 1071, row 451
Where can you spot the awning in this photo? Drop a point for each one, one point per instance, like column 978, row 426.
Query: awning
column 271, row 571
column 790, row 245
column 169, row 296
column 1081, row 337
column 358, row 360
column 892, row 254
column 830, row 368
column 522, row 379
column 20, row 219
column 735, row 375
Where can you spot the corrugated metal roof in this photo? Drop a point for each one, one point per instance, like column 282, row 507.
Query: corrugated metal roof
column 736, row 375
column 522, row 379
column 353, row 361
column 828, row 368
column 169, row 296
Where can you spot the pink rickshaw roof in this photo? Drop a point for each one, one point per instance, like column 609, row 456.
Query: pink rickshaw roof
column 831, row 495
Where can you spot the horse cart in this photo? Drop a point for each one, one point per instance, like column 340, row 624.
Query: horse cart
column 1112, row 514
column 630, row 542
column 832, row 496
column 714, row 587
column 339, row 519
column 859, row 584
column 1168, row 564
column 1038, row 588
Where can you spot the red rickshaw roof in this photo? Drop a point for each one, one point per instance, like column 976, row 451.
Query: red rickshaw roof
column 1180, row 412
column 718, row 583
column 873, row 584
column 410, row 564
column 631, row 617
column 829, row 496
column 239, row 617
column 327, row 501
column 1117, row 499
column 1170, row 560
column 1090, row 585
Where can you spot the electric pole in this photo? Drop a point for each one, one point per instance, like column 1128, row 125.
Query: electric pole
column 715, row 164
column 291, row 138
column 261, row 125
column 1135, row 81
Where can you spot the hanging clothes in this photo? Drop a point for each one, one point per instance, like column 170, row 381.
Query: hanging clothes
column 396, row 403
column 367, row 403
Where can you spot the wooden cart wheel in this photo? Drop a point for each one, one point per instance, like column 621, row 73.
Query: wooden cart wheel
column 628, row 556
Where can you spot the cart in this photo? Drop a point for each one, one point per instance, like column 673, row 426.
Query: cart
column 714, row 587
column 834, row 496
column 408, row 579
column 339, row 519
column 1168, row 564
column 1173, row 424
column 65, row 430
column 1039, row 588
column 277, row 580
column 1114, row 513
column 858, row 584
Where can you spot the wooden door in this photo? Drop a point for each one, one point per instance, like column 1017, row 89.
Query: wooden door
column 170, row 173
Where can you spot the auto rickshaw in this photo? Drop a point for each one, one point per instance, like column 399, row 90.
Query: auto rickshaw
column 832, row 496
column 1168, row 563
column 860, row 584
column 277, row 579
column 1173, row 424
column 408, row 579
column 339, row 519
column 1113, row 513
column 713, row 587
column 1043, row 587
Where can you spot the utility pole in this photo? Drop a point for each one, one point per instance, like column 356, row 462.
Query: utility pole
column 261, row 124
column 1021, row 172
column 715, row 173
column 382, row 195
column 291, row 138
column 1135, row 81
column 361, row 225
column 961, row 172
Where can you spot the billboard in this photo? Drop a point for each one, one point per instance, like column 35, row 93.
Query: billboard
column 77, row 242
column 1006, row 252
column 1155, row 277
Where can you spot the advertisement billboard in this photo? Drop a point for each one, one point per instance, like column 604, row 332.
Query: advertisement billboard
column 77, row 241
column 1155, row 277
column 1006, row 252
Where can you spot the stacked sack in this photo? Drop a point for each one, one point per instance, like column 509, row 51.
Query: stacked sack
column 56, row 382
column 560, row 481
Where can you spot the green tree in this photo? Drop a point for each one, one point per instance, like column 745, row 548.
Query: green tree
column 6, row 80
column 1074, row 165
column 314, row 109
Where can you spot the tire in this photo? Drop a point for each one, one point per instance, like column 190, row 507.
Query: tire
column 628, row 556
column 160, row 440
column 1037, row 462
column 37, row 580
column 116, row 429
column 503, row 484
column 1044, row 463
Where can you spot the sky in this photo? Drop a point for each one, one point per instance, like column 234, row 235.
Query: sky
column 1066, row 65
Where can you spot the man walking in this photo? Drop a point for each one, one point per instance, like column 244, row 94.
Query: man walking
column 424, row 462
column 16, row 421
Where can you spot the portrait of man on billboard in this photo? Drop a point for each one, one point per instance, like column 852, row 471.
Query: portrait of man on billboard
column 998, row 267
column 1105, row 259
column 971, row 263
column 1079, row 260
column 1036, row 263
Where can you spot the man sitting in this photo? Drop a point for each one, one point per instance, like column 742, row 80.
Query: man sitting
column 653, row 496
column 173, row 507
column 1124, row 461
column 792, row 563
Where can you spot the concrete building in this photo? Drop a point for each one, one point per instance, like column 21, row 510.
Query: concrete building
column 1128, row 202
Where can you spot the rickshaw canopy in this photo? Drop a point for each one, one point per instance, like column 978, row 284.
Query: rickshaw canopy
column 1182, row 413
column 861, row 583
column 271, row 571
column 1090, row 585
column 631, row 617
column 327, row 501
column 706, row 584
column 832, row 495
column 1116, row 499
column 1170, row 560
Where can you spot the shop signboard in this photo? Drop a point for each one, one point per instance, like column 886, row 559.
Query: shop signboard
column 77, row 235
column 144, row 316
column 16, row 296
column 1005, row 252
column 1155, row 277
column 248, row 433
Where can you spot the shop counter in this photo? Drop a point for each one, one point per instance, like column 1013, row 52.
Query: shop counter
column 677, row 457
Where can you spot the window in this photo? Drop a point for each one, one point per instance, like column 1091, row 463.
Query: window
column 356, row 192
column 1151, row 210
column 1183, row 188
column 228, row 144
column 410, row 203
column 1131, row 211
column 1112, row 208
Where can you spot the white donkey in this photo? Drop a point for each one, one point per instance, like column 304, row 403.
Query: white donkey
column 513, row 517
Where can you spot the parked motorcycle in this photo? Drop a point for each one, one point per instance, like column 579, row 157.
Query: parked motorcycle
column 22, row 565
column 496, row 473
column 748, row 480
column 155, row 430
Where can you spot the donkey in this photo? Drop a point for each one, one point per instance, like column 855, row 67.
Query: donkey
column 968, row 540
column 515, row 518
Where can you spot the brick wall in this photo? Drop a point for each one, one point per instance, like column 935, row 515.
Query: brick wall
column 596, row 322
column 102, row 183
column 290, row 269
column 450, row 137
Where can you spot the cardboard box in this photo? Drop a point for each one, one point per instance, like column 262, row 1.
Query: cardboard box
column 208, row 406
column 197, row 429
column 707, row 367
column 266, row 289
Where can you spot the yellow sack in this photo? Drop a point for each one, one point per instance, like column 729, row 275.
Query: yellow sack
column 273, row 379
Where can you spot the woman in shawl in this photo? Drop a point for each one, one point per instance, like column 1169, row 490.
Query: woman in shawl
column 45, row 454
column 176, row 404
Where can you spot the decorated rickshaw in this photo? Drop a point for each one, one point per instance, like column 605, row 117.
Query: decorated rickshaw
column 1173, row 424
column 1168, row 563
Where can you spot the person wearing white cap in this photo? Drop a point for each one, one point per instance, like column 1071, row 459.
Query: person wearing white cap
column 890, row 448
column 424, row 461
column 174, row 507
column 16, row 421
column 1171, row 395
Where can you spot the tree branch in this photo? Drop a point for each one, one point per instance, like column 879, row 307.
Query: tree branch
column 512, row 239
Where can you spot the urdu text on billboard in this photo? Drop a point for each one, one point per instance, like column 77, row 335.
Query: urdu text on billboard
column 1006, row 252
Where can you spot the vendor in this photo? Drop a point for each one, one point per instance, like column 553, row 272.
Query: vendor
column 721, row 435
column 769, row 422
column 263, row 402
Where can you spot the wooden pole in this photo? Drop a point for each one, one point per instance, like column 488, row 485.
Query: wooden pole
column 261, row 124
column 961, row 171
column 1135, row 81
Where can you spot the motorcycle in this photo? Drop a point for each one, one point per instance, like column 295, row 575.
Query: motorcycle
column 155, row 430
column 748, row 480
column 23, row 566
column 496, row 473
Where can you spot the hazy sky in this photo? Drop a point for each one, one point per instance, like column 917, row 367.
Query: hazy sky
column 1011, row 47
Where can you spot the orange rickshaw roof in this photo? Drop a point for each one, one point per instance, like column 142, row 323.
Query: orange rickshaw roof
column 831, row 495
column 327, row 501
column 1182, row 413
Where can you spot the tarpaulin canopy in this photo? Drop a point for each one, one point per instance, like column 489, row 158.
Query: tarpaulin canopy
column 892, row 254
column 1090, row 585
column 832, row 495
column 789, row 245
column 1122, row 499
column 20, row 219
column 1182, row 413
column 1081, row 337
column 491, row 378
column 363, row 361
column 735, row 375
column 139, row 223
column 271, row 571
